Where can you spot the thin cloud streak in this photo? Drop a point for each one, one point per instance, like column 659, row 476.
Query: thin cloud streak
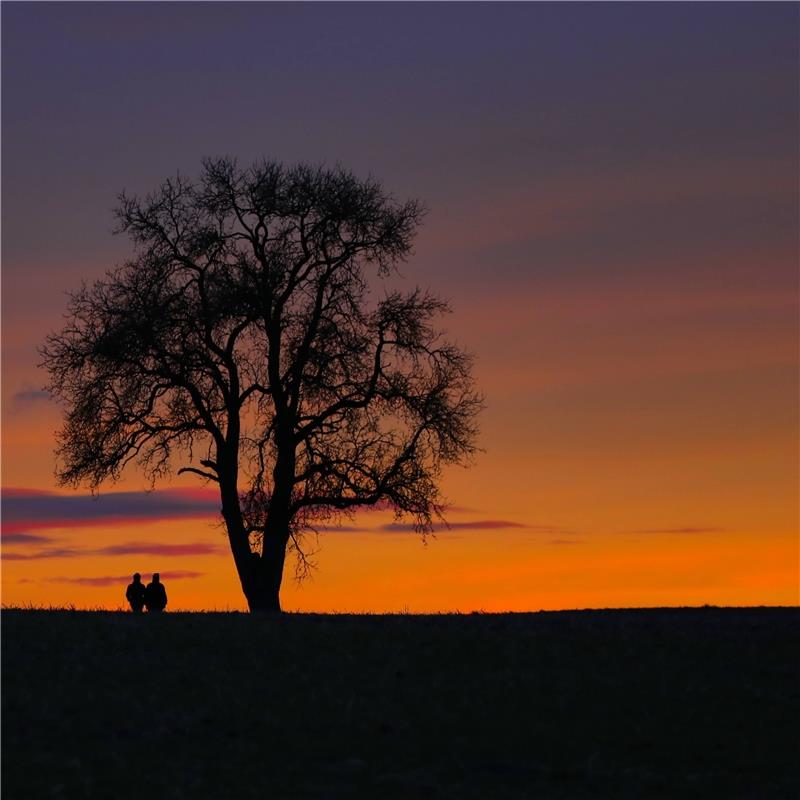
column 408, row 527
column 112, row 580
column 44, row 554
column 23, row 538
column 480, row 524
column 128, row 549
column 25, row 399
column 33, row 509
column 339, row 529
column 148, row 548
column 686, row 531
column 27, row 509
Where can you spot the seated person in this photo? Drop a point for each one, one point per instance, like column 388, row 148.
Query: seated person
column 155, row 595
column 135, row 594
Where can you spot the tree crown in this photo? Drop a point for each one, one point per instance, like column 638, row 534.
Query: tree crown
column 241, row 343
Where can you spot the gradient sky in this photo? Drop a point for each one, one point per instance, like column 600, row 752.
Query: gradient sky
column 613, row 194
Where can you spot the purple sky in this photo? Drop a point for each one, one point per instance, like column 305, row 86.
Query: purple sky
column 613, row 195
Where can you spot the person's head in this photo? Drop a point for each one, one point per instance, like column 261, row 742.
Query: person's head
column 155, row 577
column 137, row 577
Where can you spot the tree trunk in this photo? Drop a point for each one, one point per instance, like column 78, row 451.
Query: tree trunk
column 264, row 584
column 260, row 575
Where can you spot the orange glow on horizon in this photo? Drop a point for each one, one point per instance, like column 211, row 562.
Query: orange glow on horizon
column 589, row 442
column 461, row 570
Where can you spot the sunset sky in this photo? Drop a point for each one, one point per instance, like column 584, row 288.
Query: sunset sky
column 613, row 195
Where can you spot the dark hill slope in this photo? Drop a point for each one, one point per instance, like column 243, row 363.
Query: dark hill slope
column 668, row 703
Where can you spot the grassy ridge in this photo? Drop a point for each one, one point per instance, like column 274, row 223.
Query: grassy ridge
column 618, row 704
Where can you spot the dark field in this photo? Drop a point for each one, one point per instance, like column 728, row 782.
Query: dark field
column 669, row 703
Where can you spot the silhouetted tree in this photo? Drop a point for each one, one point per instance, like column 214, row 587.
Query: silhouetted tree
column 241, row 344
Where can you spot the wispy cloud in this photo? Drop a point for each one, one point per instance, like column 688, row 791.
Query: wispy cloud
column 155, row 549
column 53, row 552
column 128, row 549
column 472, row 525
column 385, row 505
column 466, row 525
column 687, row 530
column 26, row 398
column 30, row 509
column 27, row 510
column 565, row 541
column 340, row 529
column 23, row 538
column 113, row 580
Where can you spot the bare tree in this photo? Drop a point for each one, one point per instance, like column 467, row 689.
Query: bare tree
column 241, row 344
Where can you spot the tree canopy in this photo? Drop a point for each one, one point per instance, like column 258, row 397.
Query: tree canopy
column 241, row 343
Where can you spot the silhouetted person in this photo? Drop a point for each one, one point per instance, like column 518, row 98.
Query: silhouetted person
column 135, row 594
column 155, row 595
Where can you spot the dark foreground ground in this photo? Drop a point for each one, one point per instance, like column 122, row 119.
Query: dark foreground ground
column 671, row 703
